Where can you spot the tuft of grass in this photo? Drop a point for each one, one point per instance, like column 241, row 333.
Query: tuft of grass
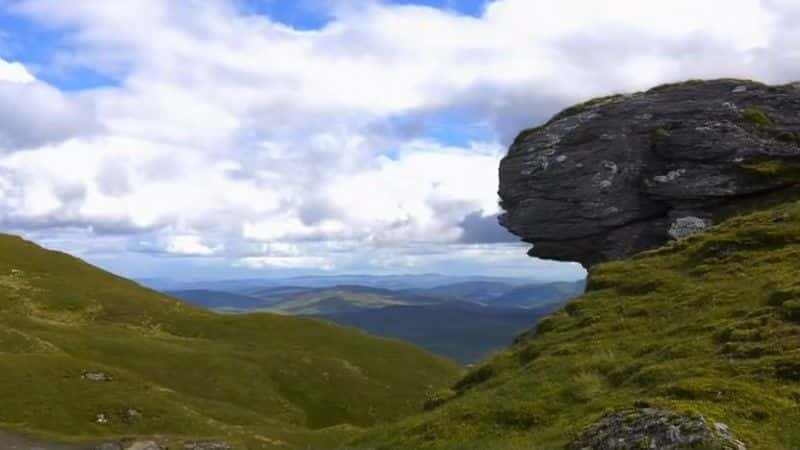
column 583, row 107
column 526, row 134
column 661, row 135
column 668, row 86
column 774, row 169
column 707, row 325
column 788, row 137
column 758, row 117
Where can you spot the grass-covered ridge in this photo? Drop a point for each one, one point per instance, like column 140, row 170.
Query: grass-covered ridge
column 709, row 326
column 258, row 381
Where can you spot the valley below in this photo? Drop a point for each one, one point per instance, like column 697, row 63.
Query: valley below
column 463, row 321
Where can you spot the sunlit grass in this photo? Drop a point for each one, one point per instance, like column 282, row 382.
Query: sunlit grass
column 260, row 380
column 708, row 325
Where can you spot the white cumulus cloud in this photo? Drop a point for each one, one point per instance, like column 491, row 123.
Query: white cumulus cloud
column 229, row 135
column 14, row 72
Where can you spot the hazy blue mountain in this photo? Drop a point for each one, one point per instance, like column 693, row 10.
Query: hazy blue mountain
column 464, row 321
column 534, row 295
column 298, row 300
column 338, row 299
column 276, row 291
column 393, row 282
column 233, row 286
column 464, row 332
column 500, row 294
column 476, row 291
column 217, row 299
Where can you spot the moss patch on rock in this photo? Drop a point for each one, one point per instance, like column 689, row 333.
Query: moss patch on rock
column 583, row 107
column 758, row 117
column 774, row 169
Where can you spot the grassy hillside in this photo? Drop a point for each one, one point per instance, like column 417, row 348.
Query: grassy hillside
column 259, row 381
column 709, row 325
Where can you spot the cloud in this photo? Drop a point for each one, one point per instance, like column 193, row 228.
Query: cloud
column 482, row 229
column 190, row 245
column 376, row 138
column 15, row 73
column 33, row 113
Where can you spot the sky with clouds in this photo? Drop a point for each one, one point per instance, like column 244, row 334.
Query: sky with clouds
column 224, row 138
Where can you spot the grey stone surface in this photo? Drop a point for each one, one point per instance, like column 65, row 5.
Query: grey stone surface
column 206, row 445
column 97, row 376
column 684, row 227
column 612, row 177
column 13, row 442
column 108, row 446
column 144, row 445
column 647, row 428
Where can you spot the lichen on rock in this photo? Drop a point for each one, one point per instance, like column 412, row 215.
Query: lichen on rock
column 686, row 226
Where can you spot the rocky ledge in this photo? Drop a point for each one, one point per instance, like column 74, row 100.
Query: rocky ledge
column 647, row 428
column 618, row 175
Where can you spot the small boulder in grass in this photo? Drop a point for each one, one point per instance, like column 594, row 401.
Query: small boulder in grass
column 144, row 445
column 97, row 376
column 206, row 445
column 649, row 428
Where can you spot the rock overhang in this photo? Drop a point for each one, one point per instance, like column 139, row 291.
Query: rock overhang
column 622, row 174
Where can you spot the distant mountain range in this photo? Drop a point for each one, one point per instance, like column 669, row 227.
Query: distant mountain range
column 464, row 321
column 339, row 299
column 217, row 299
column 499, row 294
column 303, row 301
column 537, row 295
column 465, row 332
column 393, row 282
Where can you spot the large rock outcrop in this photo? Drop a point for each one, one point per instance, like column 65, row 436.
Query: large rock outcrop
column 622, row 174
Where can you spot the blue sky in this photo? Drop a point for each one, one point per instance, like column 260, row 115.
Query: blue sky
column 225, row 137
column 38, row 46
column 310, row 14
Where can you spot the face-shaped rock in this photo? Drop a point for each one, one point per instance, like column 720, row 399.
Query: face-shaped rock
column 622, row 174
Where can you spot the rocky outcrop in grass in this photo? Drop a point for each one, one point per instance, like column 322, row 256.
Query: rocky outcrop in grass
column 647, row 428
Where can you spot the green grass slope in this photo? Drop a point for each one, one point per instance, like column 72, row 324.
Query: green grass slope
column 259, row 381
column 709, row 325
